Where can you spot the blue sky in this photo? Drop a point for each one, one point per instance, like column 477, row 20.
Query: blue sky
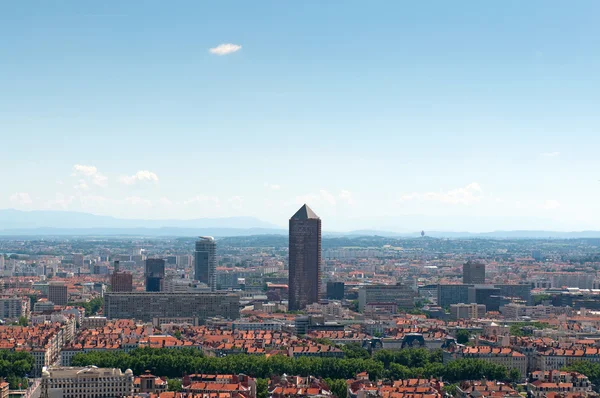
column 463, row 115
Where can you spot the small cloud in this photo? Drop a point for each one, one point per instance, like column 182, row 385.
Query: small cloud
column 272, row 187
column 224, row 49
column 550, row 154
column 91, row 173
column 21, row 198
column 140, row 176
column 59, row 182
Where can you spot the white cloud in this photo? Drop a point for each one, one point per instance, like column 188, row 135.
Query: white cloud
column 225, row 48
column 21, row 198
column 272, row 187
column 91, row 173
column 140, row 176
column 551, row 154
column 466, row 195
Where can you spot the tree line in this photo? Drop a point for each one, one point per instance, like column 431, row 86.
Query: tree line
column 384, row 364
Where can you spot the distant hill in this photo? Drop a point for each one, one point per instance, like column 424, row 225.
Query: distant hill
column 16, row 219
column 45, row 223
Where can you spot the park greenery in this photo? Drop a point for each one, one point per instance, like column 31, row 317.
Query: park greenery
column 383, row 364
column 521, row 329
column 15, row 366
column 590, row 369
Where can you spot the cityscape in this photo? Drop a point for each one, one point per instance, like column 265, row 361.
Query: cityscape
column 310, row 315
column 288, row 199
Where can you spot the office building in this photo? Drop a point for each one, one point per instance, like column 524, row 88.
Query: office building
column 121, row 281
column 304, row 258
column 57, row 293
column 146, row 306
column 335, row 290
column 502, row 293
column 177, row 284
column 391, row 295
column 14, row 307
column 155, row 274
column 205, row 261
column 474, row 272
column 88, row 382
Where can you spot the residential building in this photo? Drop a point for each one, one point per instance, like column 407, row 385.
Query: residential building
column 14, row 307
column 121, row 281
column 205, row 261
column 504, row 356
column 304, row 258
column 58, row 293
column 208, row 385
column 146, row 306
column 541, row 383
column 297, row 386
column 87, row 382
column 467, row 311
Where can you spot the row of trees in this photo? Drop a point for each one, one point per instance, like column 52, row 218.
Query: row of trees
column 15, row 366
column 384, row 364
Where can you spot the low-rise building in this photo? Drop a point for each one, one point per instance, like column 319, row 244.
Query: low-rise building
column 499, row 355
column 543, row 382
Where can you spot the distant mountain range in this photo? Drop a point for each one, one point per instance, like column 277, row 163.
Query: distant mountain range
column 48, row 223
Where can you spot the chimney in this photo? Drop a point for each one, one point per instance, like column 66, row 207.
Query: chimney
column 116, row 266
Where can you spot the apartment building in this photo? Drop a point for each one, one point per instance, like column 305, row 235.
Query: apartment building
column 146, row 306
column 499, row 355
column 86, row 382
column 12, row 308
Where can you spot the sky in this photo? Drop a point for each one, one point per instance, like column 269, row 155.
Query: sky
column 392, row 115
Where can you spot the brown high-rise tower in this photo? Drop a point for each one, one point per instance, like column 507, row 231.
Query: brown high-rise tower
column 305, row 258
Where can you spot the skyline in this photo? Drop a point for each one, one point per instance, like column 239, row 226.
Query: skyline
column 464, row 117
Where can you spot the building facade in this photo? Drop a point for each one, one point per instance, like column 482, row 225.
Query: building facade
column 146, row 306
column 155, row 274
column 304, row 258
column 473, row 272
column 87, row 382
column 58, row 294
column 399, row 295
column 205, row 261
column 14, row 307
